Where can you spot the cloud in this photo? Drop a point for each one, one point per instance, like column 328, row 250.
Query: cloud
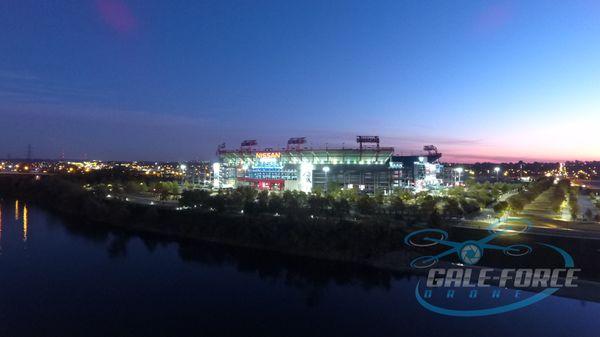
column 16, row 75
column 477, row 157
column 53, row 115
column 18, row 88
column 117, row 15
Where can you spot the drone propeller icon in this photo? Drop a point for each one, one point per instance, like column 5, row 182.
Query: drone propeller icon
column 470, row 251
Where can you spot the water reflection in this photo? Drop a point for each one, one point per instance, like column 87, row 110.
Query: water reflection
column 25, row 223
column 0, row 228
column 309, row 275
column 17, row 210
column 301, row 272
column 84, row 279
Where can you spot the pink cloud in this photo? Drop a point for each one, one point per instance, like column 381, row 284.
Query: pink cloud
column 117, row 15
column 493, row 17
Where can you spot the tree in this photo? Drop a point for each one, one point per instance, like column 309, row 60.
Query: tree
column 333, row 188
column 516, row 203
column 263, row 200
column 350, row 194
column 379, row 199
column 193, row 198
column 452, row 208
column 236, row 199
column 589, row 214
column 501, row 207
column 250, row 207
column 100, row 190
column 397, row 205
column 469, row 206
column 427, row 206
column 217, row 203
column 275, row 203
column 456, row 192
column 341, row 207
column 187, row 186
column 247, row 193
column 366, row 205
column 133, row 187
column 316, row 204
column 166, row 189
column 290, row 202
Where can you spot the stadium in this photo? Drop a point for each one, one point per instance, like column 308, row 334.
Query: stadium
column 367, row 167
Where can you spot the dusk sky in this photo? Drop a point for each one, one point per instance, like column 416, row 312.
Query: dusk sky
column 170, row 80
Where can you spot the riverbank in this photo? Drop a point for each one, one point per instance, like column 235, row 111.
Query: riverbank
column 376, row 243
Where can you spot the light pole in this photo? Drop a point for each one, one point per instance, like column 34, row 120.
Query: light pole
column 497, row 170
column 459, row 170
column 183, row 168
column 326, row 170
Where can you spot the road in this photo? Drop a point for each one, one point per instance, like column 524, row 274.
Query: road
column 143, row 200
column 546, row 222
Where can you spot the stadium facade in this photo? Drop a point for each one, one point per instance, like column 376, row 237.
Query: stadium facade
column 368, row 167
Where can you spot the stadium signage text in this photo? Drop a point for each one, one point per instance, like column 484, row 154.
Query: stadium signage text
column 267, row 155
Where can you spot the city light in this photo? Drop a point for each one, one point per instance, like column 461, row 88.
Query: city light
column 459, row 170
column 175, row 168
column 326, row 170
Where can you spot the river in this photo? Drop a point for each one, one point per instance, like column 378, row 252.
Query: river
column 61, row 278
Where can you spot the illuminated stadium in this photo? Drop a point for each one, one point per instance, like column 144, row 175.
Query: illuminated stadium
column 368, row 167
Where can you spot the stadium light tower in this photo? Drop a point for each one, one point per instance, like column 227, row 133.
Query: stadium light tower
column 326, row 170
column 497, row 170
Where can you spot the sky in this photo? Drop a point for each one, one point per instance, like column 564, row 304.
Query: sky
column 171, row 80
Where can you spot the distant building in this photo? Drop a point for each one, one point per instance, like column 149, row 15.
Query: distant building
column 368, row 168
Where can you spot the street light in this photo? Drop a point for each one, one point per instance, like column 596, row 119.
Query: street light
column 183, row 167
column 497, row 170
column 459, row 170
column 326, row 170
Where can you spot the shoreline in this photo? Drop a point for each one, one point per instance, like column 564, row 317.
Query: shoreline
column 379, row 244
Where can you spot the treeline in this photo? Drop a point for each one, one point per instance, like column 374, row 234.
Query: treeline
column 401, row 205
column 340, row 225
column 480, row 195
column 335, row 239
column 64, row 196
column 574, row 204
column 165, row 190
column 516, row 203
